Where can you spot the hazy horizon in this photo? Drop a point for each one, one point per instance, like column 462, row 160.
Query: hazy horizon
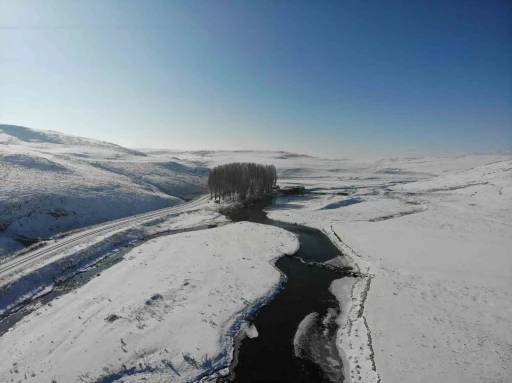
column 328, row 79
column 328, row 157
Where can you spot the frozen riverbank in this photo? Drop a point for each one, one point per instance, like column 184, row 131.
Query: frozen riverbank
column 437, row 252
column 298, row 328
column 172, row 320
column 430, row 299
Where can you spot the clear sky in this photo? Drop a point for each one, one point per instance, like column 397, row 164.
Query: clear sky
column 328, row 78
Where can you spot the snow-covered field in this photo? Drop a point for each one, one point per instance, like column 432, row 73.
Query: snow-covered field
column 430, row 237
column 32, row 273
column 169, row 311
column 437, row 299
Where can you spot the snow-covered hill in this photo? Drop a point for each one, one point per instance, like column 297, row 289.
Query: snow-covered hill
column 430, row 238
column 51, row 182
column 287, row 164
column 293, row 167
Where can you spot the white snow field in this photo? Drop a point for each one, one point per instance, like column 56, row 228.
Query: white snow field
column 430, row 238
column 51, row 182
column 30, row 274
column 436, row 304
column 167, row 313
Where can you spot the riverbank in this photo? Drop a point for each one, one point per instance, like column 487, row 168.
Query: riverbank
column 312, row 250
column 432, row 293
column 173, row 320
column 438, row 305
column 298, row 328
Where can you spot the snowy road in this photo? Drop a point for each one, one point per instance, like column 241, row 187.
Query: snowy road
column 52, row 251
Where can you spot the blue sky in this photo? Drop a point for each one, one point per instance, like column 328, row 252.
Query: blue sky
column 328, row 78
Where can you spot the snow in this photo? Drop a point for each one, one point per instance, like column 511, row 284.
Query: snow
column 52, row 183
column 428, row 238
column 183, row 298
column 64, row 257
column 300, row 341
column 434, row 302
column 250, row 330
column 300, row 169
column 441, row 305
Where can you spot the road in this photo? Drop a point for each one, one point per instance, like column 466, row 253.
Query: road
column 55, row 248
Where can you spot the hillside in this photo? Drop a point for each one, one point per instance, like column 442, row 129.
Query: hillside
column 52, row 182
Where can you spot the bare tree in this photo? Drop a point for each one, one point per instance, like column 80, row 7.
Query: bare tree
column 242, row 180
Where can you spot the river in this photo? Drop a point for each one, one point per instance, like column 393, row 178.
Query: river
column 296, row 339
column 281, row 352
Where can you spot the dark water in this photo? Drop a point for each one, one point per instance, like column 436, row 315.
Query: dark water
column 273, row 356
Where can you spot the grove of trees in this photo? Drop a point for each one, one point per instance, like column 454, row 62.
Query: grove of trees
column 242, row 180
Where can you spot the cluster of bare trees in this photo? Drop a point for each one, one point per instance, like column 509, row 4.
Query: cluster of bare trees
column 241, row 179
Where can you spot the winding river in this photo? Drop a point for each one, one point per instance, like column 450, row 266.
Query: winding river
column 296, row 339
